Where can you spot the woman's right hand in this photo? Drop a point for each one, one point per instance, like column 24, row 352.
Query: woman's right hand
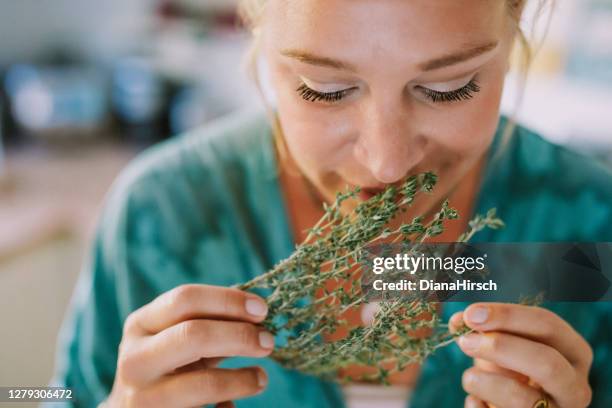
column 171, row 346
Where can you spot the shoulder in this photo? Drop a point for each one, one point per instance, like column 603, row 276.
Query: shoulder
column 225, row 142
column 181, row 188
column 557, row 193
column 565, row 170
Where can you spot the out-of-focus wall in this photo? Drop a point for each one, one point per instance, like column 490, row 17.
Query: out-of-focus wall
column 568, row 96
column 34, row 290
column 98, row 29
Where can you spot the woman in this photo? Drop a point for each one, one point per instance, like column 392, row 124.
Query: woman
column 367, row 92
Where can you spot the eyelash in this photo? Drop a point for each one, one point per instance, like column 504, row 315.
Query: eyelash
column 461, row 94
column 311, row 95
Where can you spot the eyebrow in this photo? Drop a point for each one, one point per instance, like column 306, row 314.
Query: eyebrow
column 436, row 63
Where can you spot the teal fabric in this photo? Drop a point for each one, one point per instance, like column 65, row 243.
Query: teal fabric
column 207, row 208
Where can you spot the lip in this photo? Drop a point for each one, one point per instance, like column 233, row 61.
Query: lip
column 365, row 196
column 366, row 193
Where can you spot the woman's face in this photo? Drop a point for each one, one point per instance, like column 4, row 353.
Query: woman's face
column 372, row 91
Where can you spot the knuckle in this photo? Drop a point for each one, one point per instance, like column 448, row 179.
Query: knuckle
column 247, row 335
column 547, row 369
column 133, row 398
column 182, row 297
column 124, row 347
column 254, row 379
column 517, row 395
column 467, row 379
column 551, row 365
column 584, row 394
column 521, row 399
column 127, row 364
column 249, row 380
column 548, row 322
column 126, row 398
column 210, row 383
column 495, row 342
column 227, row 300
column 130, row 324
column 546, row 328
column 587, row 396
column 502, row 314
column 471, row 402
column 191, row 331
column 589, row 355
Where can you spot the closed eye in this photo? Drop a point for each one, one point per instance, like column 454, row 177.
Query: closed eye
column 311, row 95
column 461, row 94
column 464, row 93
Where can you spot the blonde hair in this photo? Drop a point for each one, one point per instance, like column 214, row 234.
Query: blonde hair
column 251, row 13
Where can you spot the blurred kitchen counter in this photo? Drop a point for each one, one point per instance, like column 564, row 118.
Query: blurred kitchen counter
column 49, row 201
column 46, row 192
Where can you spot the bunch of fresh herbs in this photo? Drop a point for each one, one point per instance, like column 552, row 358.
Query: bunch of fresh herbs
column 302, row 310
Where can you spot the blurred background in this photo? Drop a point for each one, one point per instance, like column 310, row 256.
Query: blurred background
column 85, row 85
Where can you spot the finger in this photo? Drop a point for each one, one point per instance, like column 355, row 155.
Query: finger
column 494, row 368
column 209, row 386
column 189, row 302
column 541, row 363
column 190, row 341
column 455, row 322
column 535, row 323
column 473, row 402
column 226, row 404
column 199, row 365
column 499, row 390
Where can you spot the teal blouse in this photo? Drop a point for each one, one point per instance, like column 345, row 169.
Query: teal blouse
column 207, row 207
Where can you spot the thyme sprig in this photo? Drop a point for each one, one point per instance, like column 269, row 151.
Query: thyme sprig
column 303, row 310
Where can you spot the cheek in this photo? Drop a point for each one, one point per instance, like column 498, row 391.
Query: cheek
column 467, row 131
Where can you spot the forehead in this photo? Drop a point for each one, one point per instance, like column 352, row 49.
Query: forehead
column 370, row 30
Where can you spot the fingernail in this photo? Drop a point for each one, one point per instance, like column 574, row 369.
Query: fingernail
column 262, row 378
column 478, row 314
column 266, row 340
column 256, row 307
column 470, row 341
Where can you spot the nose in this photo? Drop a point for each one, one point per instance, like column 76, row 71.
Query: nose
column 388, row 145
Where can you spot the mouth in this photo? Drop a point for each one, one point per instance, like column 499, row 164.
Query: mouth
column 366, row 193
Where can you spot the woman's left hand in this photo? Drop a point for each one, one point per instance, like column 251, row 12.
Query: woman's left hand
column 523, row 354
